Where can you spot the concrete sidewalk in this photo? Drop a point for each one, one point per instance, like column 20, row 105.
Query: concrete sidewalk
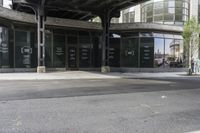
column 89, row 75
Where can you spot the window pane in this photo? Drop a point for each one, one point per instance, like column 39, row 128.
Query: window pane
column 158, row 18
column 4, row 48
column 85, row 51
column 146, row 52
column 48, row 50
column 114, row 53
column 158, row 52
column 24, row 49
column 59, row 51
column 129, row 52
column 169, row 53
column 169, row 17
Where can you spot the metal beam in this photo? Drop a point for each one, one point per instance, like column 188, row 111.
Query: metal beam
column 105, row 18
column 41, row 37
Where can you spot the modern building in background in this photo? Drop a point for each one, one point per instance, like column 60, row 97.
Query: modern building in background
column 170, row 12
column 146, row 37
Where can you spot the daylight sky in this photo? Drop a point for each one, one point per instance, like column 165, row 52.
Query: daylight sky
column 6, row 3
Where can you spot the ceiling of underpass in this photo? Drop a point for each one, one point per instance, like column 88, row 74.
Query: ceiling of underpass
column 75, row 9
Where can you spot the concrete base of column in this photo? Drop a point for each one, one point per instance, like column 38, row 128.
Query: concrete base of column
column 41, row 69
column 105, row 69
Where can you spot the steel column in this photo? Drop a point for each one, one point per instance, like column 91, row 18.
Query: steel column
column 106, row 41
column 41, row 39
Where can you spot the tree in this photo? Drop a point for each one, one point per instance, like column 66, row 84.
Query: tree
column 191, row 40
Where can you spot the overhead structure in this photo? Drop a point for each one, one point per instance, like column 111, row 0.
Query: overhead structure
column 74, row 9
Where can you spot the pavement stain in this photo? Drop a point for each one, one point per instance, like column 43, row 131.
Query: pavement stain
column 17, row 122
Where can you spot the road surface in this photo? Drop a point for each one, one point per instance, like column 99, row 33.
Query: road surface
column 100, row 106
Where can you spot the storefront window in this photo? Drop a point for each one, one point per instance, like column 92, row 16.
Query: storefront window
column 24, row 49
column 174, row 56
column 59, row 51
column 72, row 46
column 85, row 44
column 146, row 52
column 129, row 52
column 96, row 51
column 48, row 50
column 158, row 52
column 114, row 53
column 169, row 53
column 4, row 48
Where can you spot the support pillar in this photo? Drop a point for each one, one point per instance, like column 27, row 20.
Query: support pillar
column 105, row 18
column 41, row 40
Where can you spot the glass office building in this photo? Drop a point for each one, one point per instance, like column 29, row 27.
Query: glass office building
column 166, row 11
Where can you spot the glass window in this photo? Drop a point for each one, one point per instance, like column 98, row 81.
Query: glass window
column 4, row 48
column 48, row 50
column 178, row 53
column 158, row 18
column 164, row 11
column 132, row 17
column 179, row 11
column 59, row 51
column 85, row 44
column 25, row 50
column 114, row 52
column 199, row 11
column 171, row 3
column 179, row 4
column 179, row 18
column 146, row 52
column 169, row 17
column 158, row 11
column 186, row 5
column 129, row 52
column 158, row 5
column 158, row 52
column 169, row 53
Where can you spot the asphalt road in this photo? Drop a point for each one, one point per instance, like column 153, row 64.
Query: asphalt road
column 100, row 106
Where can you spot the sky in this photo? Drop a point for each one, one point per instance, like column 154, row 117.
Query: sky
column 6, row 3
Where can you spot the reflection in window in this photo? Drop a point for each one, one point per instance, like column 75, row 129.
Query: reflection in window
column 158, row 52
column 174, row 53
column 169, row 56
